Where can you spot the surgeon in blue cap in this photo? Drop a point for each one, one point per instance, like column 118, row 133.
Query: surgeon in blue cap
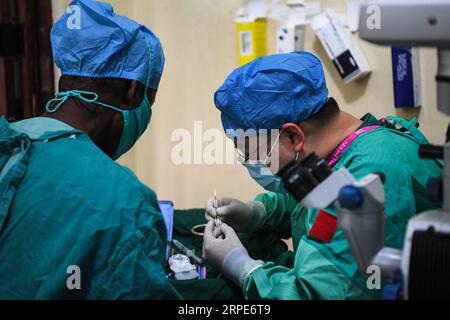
column 74, row 223
column 287, row 94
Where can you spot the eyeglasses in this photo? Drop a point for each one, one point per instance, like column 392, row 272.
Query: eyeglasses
column 244, row 157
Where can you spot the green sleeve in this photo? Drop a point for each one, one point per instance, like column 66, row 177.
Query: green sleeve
column 279, row 208
column 137, row 274
column 136, row 267
column 313, row 276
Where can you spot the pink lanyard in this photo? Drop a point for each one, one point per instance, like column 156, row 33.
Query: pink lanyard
column 346, row 143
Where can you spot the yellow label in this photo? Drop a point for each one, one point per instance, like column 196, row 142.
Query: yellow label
column 252, row 40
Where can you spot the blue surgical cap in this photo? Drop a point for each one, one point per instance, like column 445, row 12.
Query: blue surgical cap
column 103, row 44
column 272, row 91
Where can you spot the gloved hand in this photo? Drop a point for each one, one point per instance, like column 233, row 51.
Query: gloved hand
column 243, row 217
column 223, row 249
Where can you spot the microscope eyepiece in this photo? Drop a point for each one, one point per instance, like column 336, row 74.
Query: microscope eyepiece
column 300, row 178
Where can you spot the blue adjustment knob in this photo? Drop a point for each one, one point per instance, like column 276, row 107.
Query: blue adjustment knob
column 350, row 197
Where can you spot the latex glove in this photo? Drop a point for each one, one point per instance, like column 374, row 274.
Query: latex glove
column 227, row 254
column 243, row 217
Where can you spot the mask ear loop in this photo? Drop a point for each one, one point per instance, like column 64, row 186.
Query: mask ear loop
column 297, row 156
column 147, row 85
column 273, row 148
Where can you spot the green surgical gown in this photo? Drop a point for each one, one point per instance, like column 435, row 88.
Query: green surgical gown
column 327, row 270
column 64, row 204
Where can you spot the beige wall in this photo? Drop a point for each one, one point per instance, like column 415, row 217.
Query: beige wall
column 200, row 45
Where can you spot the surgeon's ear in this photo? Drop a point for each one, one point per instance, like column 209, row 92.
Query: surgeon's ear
column 295, row 135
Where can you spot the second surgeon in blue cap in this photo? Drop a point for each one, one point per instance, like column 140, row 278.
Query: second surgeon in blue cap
column 74, row 223
column 287, row 94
